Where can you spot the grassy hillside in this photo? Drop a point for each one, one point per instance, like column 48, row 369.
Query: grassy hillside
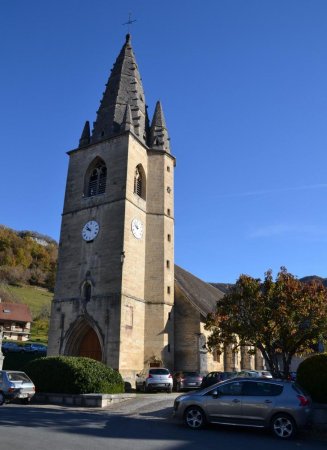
column 38, row 299
column 39, row 302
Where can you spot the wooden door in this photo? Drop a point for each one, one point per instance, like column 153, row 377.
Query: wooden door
column 90, row 346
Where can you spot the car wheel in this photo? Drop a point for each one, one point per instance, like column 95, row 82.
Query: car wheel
column 145, row 388
column 194, row 418
column 25, row 401
column 2, row 399
column 283, row 426
column 170, row 390
column 178, row 387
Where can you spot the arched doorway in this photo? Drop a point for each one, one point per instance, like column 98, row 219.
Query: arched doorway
column 90, row 346
column 82, row 340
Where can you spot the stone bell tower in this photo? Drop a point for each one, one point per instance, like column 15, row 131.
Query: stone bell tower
column 115, row 282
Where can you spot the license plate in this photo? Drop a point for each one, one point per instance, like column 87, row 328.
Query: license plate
column 192, row 384
column 160, row 385
column 23, row 396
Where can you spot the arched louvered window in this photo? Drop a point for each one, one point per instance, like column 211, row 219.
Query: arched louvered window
column 139, row 182
column 97, row 179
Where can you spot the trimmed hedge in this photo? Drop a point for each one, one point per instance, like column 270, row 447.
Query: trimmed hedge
column 18, row 361
column 312, row 376
column 74, row 375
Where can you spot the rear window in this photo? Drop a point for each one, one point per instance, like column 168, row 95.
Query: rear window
column 18, row 376
column 159, row 372
column 257, row 388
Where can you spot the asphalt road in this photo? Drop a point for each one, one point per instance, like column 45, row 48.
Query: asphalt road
column 142, row 423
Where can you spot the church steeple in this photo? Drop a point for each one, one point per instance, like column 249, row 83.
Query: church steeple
column 159, row 139
column 124, row 88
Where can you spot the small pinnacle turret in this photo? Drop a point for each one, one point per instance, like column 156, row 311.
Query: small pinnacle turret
column 85, row 137
column 127, row 124
column 124, row 88
column 159, row 139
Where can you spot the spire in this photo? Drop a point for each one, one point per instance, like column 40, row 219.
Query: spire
column 159, row 139
column 85, row 137
column 124, row 87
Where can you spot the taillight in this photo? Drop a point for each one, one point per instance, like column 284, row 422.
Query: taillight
column 303, row 400
column 11, row 389
column 150, row 376
column 169, row 376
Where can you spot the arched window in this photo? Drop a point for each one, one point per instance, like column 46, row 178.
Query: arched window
column 139, row 182
column 87, row 291
column 96, row 179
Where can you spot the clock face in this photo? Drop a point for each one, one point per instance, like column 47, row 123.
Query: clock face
column 137, row 228
column 90, row 230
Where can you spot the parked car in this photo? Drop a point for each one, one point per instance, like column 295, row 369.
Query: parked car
column 215, row 377
column 186, row 380
column 15, row 385
column 262, row 403
column 8, row 347
column 154, row 379
column 35, row 348
column 290, row 376
column 265, row 373
column 254, row 374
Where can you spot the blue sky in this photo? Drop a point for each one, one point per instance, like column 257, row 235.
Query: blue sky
column 244, row 90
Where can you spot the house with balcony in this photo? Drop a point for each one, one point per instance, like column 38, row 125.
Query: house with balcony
column 15, row 320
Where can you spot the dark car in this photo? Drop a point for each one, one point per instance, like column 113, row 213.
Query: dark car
column 15, row 385
column 35, row 348
column 186, row 380
column 216, row 377
column 252, row 402
column 10, row 347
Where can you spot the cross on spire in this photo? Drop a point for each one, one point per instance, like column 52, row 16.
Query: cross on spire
column 129, row 22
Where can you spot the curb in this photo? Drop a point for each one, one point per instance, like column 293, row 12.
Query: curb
column 84, row 400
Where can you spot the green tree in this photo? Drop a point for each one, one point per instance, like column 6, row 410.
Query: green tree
column 280, row 317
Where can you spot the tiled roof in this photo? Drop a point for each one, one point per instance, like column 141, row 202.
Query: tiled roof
column 15, row 312
column 202, row 295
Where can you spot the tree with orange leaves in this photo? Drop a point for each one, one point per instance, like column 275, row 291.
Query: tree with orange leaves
column 280, row 317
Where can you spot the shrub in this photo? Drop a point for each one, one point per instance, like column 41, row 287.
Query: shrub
column 73, row 375
column 312, row 376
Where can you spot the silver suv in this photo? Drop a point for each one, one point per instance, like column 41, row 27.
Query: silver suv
column 15, row 385
column 262, row 403
column 154, row 379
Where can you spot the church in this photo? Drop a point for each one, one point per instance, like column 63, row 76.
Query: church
column 119, row 297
